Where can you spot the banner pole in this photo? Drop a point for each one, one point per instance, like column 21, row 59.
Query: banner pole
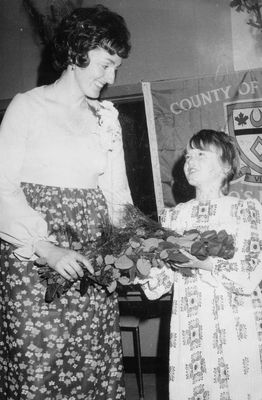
column 146, row 88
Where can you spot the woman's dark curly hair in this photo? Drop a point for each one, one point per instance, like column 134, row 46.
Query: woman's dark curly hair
column 225, row 147
column 86, row 29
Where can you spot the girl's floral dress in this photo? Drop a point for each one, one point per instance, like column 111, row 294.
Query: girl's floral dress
column 216, row 322
column 69, row 348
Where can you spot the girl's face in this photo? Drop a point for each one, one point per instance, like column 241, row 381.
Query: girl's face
column 100, row 71
column 204, row 167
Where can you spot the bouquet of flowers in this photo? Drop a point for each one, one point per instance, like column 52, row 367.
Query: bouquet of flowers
column 122, row 254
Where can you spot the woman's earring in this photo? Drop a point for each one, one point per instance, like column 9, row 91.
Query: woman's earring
column 73, row 67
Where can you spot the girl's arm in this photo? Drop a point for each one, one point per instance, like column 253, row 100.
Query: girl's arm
column 161, row 280
column 242, row 273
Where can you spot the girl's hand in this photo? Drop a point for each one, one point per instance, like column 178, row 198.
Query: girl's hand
column 195, row 262
column 64, row 261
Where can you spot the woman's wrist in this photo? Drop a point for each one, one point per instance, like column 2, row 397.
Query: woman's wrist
column 43, row 247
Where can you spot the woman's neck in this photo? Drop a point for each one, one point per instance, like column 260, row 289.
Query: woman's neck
column 67, row 91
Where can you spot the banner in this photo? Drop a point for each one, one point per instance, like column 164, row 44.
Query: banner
column 176, row 109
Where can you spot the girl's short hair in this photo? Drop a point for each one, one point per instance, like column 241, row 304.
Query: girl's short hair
column 225, row 147
column 86, row 29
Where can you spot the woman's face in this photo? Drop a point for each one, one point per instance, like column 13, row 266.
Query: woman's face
column 204, row 167
column 100, row 71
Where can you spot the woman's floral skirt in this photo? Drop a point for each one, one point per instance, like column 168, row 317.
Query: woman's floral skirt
column 70, row 348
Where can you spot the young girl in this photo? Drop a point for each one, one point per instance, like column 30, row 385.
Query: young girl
column 216, row 323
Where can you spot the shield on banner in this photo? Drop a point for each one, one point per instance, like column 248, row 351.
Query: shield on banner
column 245, row 124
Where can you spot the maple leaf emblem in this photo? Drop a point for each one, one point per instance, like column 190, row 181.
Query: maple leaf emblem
column 241, row 119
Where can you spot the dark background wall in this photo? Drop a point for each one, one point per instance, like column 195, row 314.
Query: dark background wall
column 170, row 38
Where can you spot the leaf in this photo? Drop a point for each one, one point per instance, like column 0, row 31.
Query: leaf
column 143, row 267
column 59, row 279
column 115, row 273
column 167, row 245
column 154, row 262
column 159, row 233
column 164, row 254
column 214, row 248
column 99, row 260
column 230, row 240
column 192, row 235
column 161, row 264
column 109, row 259
column 241, row 119
column 208, row 234
column 51, row 292
column 84, row 283
column 172, row 239
column 183, row 242
column 189, row 231
column 177, row 257
column 124, row 280
column 141, row 232
column 108, row 267
column 129, row 251
column 151, row 243
column 41, row 261
column 199, row 249
column 135, row 242
column 229, row 253
column 132, row 273
column 112, row 287
column 222, row 236
column 123, row 262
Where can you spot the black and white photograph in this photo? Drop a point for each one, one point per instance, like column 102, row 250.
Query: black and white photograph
column 130, row 199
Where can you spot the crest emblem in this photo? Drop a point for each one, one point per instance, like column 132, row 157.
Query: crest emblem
column 245, row 124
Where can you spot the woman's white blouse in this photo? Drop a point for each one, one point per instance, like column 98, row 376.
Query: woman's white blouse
column 42, row 142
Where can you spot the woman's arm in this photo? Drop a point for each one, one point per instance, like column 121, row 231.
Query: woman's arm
column 20, row 225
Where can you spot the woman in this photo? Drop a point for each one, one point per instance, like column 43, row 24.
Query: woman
column 62, row 170
column 216, row 323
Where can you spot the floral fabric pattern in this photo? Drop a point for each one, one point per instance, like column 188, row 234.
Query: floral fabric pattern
column 216, row 322
column 69, row 349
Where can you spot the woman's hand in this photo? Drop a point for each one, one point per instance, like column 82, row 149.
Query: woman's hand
column 195, row 262
column 64, row 261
